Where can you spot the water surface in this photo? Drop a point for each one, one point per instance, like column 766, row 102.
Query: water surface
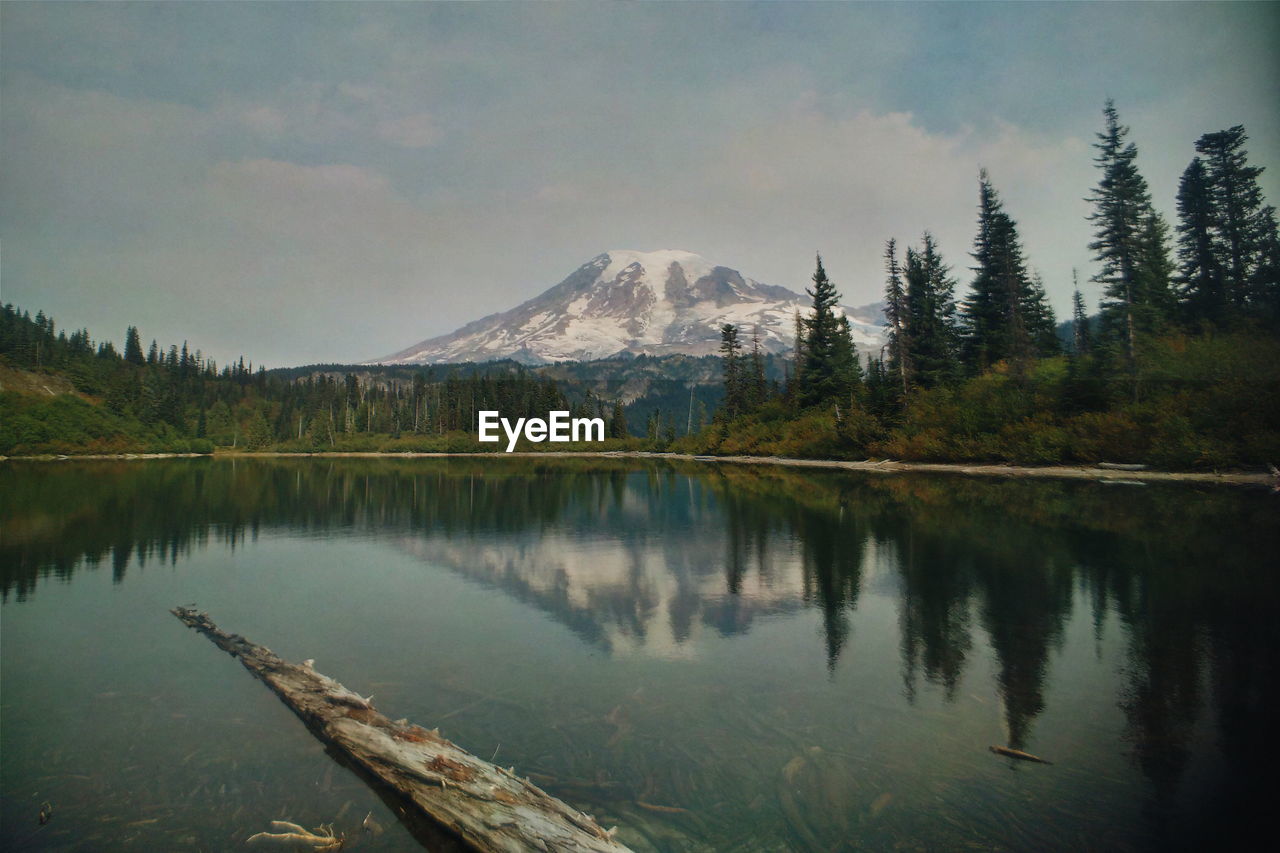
column 710, row 657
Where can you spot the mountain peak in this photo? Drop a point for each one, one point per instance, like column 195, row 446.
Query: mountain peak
column 658, row 258
column 658, row 302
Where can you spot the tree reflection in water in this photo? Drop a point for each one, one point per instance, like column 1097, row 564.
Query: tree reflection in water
column 1186, row 572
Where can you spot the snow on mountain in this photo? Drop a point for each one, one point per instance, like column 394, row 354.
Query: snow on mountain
column 654, row 303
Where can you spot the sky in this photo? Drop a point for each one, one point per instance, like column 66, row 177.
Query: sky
column 332, row 182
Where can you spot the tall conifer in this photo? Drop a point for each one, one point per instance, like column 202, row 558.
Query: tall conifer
column 1081, row 335
column 1200, row 274
column 821, row 379
column 757, row 386
column 1127, row 240
column 1243, row 230
column 133, row 346
column 931, row 331
column 731, row 359
column 1005, row 314
column 895, row 298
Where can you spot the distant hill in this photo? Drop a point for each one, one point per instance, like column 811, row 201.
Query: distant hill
column 675, row 385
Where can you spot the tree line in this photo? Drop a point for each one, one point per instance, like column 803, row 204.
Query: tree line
column 176, row 399
column 1168, row 303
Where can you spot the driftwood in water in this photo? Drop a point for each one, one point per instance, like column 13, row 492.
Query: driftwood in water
column 484, row 807
column 1018, row 754
column 1121, row 466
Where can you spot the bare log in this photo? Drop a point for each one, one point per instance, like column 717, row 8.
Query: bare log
column 1018, row 754
column 431, row 780
column 1121, row 466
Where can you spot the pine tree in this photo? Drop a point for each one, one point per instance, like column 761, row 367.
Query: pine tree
column 1081, row 335
column 1124, row 240
column 931, row 332
column 731, row 360
column 757, row 387
column 848, row 370
column 983, row 315
column 1042, row 324
column 1155, row 274
column 825, row 359
column 1005, row 314
column 896, row 312
column 1242, row 228
column 133, row 346
column 1199, row 270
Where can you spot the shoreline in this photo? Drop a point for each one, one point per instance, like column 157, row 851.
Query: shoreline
column 886, row 466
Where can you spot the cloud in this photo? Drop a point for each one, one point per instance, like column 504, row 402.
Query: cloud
column 766, row 193
column 120, row 211
column 267, row 121
column 298, row 186
column 339, row 117
column 412, row 131
column 387, row 173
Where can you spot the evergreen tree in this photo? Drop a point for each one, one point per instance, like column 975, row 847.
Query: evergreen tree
column 1242, row 228
column 1006, row 313
column 757, row 387
column 133, row 347
column 1199, row 270
column 848, row 369
column 931, row 333
column 1081, row 335
column 734, row 380
column 825, row 357
column 1125, row 241
column 1042, row 324
column 1155, row 274
column 899, row 368
column 618, row 422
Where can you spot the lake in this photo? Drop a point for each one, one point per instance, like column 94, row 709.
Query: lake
column 709, row 656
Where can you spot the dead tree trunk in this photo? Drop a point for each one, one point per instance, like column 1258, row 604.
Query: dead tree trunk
column 485, row 807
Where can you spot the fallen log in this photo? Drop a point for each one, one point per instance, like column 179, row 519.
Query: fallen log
column 429, row 780
column 1018, row 754
column 1121, row 466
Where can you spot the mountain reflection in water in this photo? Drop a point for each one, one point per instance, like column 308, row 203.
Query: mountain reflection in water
column 660, row 560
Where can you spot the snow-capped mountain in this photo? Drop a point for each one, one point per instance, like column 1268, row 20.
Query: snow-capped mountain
column 655, row 303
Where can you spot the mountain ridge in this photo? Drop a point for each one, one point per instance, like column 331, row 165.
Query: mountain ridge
column 662, row 302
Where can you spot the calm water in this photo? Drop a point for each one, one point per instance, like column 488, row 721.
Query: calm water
column 710, row 657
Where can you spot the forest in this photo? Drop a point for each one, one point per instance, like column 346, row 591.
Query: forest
column 1178, row 367
column 176, row 400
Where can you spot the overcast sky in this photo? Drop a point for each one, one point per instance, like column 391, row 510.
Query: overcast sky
column 332, row 182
